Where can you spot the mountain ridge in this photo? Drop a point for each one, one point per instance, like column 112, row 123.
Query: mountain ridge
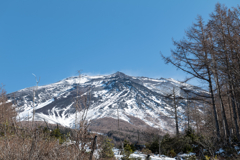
column 140, row 97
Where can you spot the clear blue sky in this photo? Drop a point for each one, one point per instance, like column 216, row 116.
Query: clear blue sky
column 55, row 38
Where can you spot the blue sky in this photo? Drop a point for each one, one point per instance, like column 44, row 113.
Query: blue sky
column 55, row 38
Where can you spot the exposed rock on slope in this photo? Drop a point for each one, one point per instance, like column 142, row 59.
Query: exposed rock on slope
column 138, row 100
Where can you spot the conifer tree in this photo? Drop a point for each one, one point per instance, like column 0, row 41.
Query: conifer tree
column 106, row 151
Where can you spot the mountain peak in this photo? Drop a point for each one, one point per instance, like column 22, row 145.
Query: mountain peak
column 120, row 74
column 140, row 97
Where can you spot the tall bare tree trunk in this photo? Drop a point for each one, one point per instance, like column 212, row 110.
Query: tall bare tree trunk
column 175, row 111
column 213, row 104
column 188, row 116
column 225, row 124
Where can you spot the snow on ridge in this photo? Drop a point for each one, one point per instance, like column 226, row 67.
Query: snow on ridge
column 143, row 99
column 63, row 119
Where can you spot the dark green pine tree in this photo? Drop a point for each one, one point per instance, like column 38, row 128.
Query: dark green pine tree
column 107, row 147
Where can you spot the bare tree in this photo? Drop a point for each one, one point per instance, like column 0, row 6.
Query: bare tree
column 8, row 113
column 211, row 53
column 174, row 103
column 82, row 105
column 224, row 26
column 34, row 93
column 192, row 56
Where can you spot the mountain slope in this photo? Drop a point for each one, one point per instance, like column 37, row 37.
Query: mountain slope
column 129, row 97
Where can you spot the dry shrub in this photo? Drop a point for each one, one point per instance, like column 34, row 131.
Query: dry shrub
column 23, row 142
column 29, row 144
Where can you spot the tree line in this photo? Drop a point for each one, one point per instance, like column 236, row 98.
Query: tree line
column 211, row 53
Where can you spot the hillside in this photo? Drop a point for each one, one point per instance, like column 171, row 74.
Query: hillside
column 141, row 102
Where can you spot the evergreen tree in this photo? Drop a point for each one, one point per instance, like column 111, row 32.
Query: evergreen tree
column 107, row 147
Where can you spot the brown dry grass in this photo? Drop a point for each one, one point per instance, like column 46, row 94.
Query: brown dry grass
column 32, row 141
column 127, row 131
column 26, row 144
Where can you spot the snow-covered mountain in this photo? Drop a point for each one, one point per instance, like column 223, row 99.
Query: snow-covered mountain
column 111, row 95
